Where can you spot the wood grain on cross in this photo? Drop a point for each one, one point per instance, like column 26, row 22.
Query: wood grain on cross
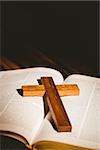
column 39, row 90
column 52, row 94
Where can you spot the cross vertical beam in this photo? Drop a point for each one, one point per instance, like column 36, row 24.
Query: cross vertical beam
column 56, row 107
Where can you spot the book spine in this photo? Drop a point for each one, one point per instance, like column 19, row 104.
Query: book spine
column 30, row 147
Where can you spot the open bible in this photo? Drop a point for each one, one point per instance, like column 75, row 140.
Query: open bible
column 23, row 118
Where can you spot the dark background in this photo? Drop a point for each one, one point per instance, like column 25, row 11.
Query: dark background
column 66, row 32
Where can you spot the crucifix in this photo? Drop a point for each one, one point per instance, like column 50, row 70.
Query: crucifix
column 52, row 93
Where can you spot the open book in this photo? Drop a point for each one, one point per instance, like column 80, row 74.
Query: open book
column 23, row 117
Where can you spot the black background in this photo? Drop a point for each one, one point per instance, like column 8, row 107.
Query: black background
column 68, row 31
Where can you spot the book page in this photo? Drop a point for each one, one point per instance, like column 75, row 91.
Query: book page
column 83, row 112
column 22, row 115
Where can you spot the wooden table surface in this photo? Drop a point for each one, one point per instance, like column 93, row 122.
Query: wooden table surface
column 37, row 58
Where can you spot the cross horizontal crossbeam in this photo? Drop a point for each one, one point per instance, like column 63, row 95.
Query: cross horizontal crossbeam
column 39, row 90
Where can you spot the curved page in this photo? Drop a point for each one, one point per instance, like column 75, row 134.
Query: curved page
column 22, row 115
column 83, row 112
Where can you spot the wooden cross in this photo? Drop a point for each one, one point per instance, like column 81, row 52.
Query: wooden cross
column 52, row 94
